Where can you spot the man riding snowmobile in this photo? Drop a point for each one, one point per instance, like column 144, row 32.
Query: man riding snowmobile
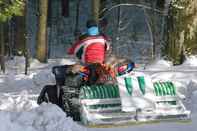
column 91, row 50
column 91, row 47
column 101, row 89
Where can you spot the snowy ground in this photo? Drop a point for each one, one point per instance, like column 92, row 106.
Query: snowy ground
column 18, row 94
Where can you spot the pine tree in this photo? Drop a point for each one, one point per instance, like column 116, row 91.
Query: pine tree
column 182, row 29
column 8, row 9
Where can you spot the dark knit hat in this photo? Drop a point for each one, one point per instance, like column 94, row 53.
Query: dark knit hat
column 91, row 23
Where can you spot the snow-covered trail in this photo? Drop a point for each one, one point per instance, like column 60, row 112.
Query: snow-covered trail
column 18, row 94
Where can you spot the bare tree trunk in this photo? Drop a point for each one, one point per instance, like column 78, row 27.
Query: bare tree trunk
column 26, row 49
column 182, row 30
column 2, row 51
column 41, row 51
column 20, row 34
column 77, row 32
column 95, row 9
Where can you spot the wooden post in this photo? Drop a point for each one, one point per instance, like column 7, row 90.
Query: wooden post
column 41, row 51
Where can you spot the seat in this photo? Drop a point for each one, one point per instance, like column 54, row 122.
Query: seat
column 60, row 74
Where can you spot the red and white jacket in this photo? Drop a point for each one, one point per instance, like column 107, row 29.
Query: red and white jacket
column 90, row 50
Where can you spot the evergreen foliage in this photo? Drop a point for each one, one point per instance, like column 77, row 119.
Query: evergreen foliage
column 9, row 8
column 182, row 29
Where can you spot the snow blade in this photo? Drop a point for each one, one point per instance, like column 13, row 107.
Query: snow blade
column 135, row 99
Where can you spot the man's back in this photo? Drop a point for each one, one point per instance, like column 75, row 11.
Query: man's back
column 90, row 50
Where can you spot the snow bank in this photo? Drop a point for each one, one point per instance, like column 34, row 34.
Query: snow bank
column 18, row 94
column 190, row 61
column 159, row 65
column 47, row 117
column 22, row 101
column 194, row 102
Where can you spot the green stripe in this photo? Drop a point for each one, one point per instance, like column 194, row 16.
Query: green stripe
column 100, row 106
column 163, row 88
column 159, row 89
column 99, row 92
column 86, row 92
column 172, row 102
column 110, row 92
column 173, row 88
column 83, row 94
column 116, row 91
column 90, row 93
column 103, row 92
column 128, row 84
column 113, row 92
column 170, row 88
column 141, row 83
column 106, row 94
column 167, row 88
column 95, row 92
column 156, row 89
